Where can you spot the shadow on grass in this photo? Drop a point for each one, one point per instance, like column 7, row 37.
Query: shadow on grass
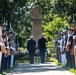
column 70, row 69
column 8, row 70
column 66, row 67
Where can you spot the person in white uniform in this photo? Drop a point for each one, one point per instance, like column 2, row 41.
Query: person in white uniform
column 63, row 56
column 0, row 51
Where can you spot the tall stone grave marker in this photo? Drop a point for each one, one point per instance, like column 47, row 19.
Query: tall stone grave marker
column 37, row 22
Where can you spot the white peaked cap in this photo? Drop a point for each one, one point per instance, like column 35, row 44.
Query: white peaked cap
column 63, row 30
column 61, row 33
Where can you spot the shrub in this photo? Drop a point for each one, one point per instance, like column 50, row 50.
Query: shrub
column 21, row 56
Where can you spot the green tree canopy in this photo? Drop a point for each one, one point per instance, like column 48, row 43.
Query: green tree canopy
column 57, row 14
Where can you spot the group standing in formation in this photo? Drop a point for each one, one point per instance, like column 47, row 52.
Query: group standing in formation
column 65, row 46
column 7, row 49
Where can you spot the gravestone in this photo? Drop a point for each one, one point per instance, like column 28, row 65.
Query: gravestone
column 37, row 22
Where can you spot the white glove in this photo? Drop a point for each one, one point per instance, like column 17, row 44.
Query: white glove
column 1, row 44
column 74, row 37
column 7, row 47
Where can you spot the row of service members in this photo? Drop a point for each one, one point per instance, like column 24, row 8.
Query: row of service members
column 65, row 47
column 7, row 49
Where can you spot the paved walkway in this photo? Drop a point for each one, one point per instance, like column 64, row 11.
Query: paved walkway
column 48, row 68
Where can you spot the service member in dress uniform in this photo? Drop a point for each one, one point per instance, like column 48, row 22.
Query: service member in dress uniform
column 58, row 48
column 13, row 50
column 62, row 51
column 1, row 27
column 5, row 43
column 71, row 49
column 4, row 52
column 64, row 47
column 8, row 50
column 68, row 46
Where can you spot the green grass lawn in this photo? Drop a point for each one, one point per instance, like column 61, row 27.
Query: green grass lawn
column 66, row 67
column 16, row 64
column 70, row 69
column 8, row 70
column 22, row 61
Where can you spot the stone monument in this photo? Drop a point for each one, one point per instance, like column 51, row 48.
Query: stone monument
column 37, row 22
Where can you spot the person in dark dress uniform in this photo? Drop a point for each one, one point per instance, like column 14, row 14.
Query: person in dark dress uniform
column 0, row 49
column 31, row 48
column 42, row 46
column 68, row 46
